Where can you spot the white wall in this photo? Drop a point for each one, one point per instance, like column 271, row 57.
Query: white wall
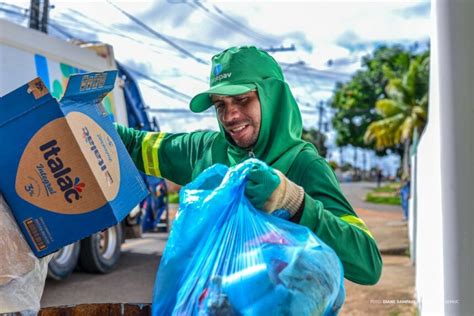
column 456, row 79
column 428, row 218
column 444, row 200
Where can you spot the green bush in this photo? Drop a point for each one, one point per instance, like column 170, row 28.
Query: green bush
column 390, row 188
column 173, row 197
column 383, row 199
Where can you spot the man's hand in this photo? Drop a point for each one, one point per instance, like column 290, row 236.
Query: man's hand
column 268, row 189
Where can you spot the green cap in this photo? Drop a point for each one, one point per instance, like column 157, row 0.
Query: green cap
column 235, row 71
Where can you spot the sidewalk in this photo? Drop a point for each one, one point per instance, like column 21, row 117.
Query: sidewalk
column 394, row 293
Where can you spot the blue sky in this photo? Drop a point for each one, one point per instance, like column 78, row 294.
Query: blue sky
column 330, row 37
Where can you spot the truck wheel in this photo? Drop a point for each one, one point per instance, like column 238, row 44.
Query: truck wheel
column 100, row 252
column 64, row 261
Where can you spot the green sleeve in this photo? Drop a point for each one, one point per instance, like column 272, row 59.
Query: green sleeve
column 328, row 213
column 172, row 156
column 132, row 140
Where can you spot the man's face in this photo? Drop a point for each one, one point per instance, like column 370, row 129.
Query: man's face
column 240, row 116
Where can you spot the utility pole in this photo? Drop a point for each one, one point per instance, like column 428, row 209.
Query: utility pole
column 355, row 157
column 355, row 167
column 320, row 124
column 44, row 17
column 321, row 113
column 341, row 157
column 39, row 15
column 272, row 49
column 364, row 160
column 34, row 14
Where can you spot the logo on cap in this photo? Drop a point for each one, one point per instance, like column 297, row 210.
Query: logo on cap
column 217, row 69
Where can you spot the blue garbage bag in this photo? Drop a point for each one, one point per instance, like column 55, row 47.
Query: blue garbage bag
column 224, row 257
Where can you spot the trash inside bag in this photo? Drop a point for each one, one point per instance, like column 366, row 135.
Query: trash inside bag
column 224, row 257
column 22, row 275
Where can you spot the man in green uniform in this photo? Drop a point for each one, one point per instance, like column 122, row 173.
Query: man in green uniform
column 258, row 117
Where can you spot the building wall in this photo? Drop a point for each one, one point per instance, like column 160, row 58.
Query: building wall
column 428, row 249
column 444, row 217
column 456, row 80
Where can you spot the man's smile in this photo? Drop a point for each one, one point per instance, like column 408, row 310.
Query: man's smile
column 238, row 128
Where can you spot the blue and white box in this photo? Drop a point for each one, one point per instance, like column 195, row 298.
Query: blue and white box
column 65, row 172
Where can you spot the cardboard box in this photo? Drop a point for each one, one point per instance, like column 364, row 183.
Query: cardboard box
column 65, row 172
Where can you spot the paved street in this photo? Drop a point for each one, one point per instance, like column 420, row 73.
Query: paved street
column 356, row 192
column 133, row 281
column 394, row 293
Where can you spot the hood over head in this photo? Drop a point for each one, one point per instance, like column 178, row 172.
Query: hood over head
column 239, row 70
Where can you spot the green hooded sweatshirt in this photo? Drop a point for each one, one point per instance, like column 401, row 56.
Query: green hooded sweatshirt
column 182, row 157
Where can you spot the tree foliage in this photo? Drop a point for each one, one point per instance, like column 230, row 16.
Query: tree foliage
column 355, row 101
column 316, row 138
column 406, row 107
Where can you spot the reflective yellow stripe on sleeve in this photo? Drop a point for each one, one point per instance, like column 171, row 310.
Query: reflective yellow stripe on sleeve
column 357, row 222
column 150, row 145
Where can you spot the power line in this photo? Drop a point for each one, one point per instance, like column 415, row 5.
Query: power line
column 9, row 11
column 107, row 29
column 59, row 30
column 161, row 91
column 162, row 85
column 228, row 22
column 104, row 29
column 157, row 34
column 113, row 31
column 77, row 18
column 175, row 93
column 25, row 10
column 167, row 90
column 302, row 69
column 206, row 113
column 180, row 111
column 184, row 96
column 153, row 47
column 272, row 49
column 243, row 26
column 297, row 68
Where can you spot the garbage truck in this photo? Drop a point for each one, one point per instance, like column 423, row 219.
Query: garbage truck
column 26, row 54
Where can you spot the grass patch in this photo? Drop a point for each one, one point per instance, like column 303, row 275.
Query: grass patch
column 391, row 200
column 173, row 197
column 388, row 194
column 390, row 188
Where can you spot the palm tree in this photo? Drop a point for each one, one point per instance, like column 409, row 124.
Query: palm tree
column 404, row 110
